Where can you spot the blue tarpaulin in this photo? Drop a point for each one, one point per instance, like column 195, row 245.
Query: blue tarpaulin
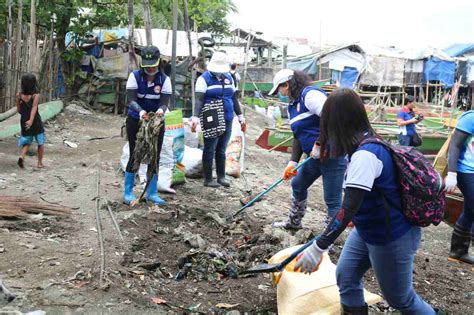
column 436, row 69
column 458, row 50
column 349, row 77
column 307, row 65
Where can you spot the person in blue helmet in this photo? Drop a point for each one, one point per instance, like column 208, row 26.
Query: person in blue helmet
column 306, row 104
column 148, row 90
column 217, row 83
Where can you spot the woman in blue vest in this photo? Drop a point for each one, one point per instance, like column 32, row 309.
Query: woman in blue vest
column 461, row 174
column 217, row 83
column 306, row 103
column 382, row 239
column 148, row 90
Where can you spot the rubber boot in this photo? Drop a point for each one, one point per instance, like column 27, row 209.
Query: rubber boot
column 208, row 180
column 354, row 310
column 297, row 212
column 220, row 170
column 460, row 242
column 152, row 192
column 128, row 196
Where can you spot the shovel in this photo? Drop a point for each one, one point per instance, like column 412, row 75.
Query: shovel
column 260, row 195
column 262, row 268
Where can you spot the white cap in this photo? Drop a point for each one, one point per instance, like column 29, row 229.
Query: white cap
column 219, row 63
column 281, row 77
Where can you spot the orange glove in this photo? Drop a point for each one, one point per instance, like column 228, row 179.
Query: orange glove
column 290, row 170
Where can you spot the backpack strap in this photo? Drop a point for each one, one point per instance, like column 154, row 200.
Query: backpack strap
column 386, row 203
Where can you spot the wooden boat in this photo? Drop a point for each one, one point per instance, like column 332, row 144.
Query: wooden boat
column 11, row 126
column 453, row 209
column 271, row 137
column 267, row 86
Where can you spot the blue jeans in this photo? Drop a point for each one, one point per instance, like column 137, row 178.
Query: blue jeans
column 404, row 140
column 332, row 171
column 466, row 185
column 393, row 268
column 216, row 147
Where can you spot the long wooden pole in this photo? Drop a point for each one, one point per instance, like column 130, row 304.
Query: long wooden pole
column 131, row 31
column 8, row 64
column 188, row 33
column 244, row 79
column 32, row 38
column 173, row 53
column 19, row 28
column 147, row 18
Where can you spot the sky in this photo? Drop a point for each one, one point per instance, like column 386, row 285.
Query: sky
column 402, row 23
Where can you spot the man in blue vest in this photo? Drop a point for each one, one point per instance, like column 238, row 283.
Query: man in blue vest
column 148, row 90
column 407, row 121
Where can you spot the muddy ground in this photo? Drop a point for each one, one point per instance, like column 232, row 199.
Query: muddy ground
column 180, row 258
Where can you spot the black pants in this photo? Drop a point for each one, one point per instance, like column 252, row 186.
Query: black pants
column 132, row 129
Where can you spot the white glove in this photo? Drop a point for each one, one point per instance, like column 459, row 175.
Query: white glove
column 241, row 119
column 450, row 182
column 141, row 113
column 316, row 151
column 159, row 112
column 310, row 259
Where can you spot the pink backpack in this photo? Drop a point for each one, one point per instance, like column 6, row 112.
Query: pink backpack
column 421, row 186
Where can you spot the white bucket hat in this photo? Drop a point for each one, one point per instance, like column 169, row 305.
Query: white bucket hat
column 219, row 63
column 281, row 77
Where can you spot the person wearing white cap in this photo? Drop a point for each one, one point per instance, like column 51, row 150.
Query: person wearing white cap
column 306, row 104
column 216, row 84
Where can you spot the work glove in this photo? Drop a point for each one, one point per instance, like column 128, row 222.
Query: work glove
column 450, row 182
column 143, row 115
column 243, row 124
column 316, row 151
column 159, row 112
column 310, row 259
column 194, row 123
column 290, row 170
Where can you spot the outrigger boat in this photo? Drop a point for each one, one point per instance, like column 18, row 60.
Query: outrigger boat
column 281, row 137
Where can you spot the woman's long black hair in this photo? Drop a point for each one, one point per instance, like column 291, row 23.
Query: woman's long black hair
column 344, row 123
column 297, row 83
column 29, row 85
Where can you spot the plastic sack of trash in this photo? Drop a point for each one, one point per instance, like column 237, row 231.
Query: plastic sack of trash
column 234, row 164
column 192, row 161
column 124, row 161
column 317, row 293
column 171, row 169
column 191, row 139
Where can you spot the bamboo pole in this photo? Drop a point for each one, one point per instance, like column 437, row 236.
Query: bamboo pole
column 193, row 73
column 247, row 47
column 8, row 62
column 19, row 27
column 32, row 37
column 173, row 54
column 131, row 31
column 147, row 20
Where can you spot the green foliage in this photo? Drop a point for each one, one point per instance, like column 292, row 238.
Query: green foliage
column 210, row 15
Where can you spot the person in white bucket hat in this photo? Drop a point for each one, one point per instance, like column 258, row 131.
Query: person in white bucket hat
column 217, row 84
column 306, row 104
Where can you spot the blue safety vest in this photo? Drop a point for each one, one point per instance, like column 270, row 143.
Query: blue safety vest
column 149, row 93
column 220, row 90
column 304, row 124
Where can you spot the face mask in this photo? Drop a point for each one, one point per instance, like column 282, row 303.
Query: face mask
column 151, row 71
column 217, row 74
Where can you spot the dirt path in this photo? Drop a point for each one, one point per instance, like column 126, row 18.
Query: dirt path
column 53, row 263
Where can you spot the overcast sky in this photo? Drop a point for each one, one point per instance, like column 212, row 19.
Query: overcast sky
column 404, row 23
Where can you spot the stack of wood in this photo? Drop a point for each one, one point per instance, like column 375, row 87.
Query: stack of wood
column 18, row 207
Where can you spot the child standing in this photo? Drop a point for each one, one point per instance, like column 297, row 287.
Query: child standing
column 30, row 121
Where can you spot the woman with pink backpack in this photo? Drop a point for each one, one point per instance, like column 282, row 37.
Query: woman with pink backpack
column 383, row 239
